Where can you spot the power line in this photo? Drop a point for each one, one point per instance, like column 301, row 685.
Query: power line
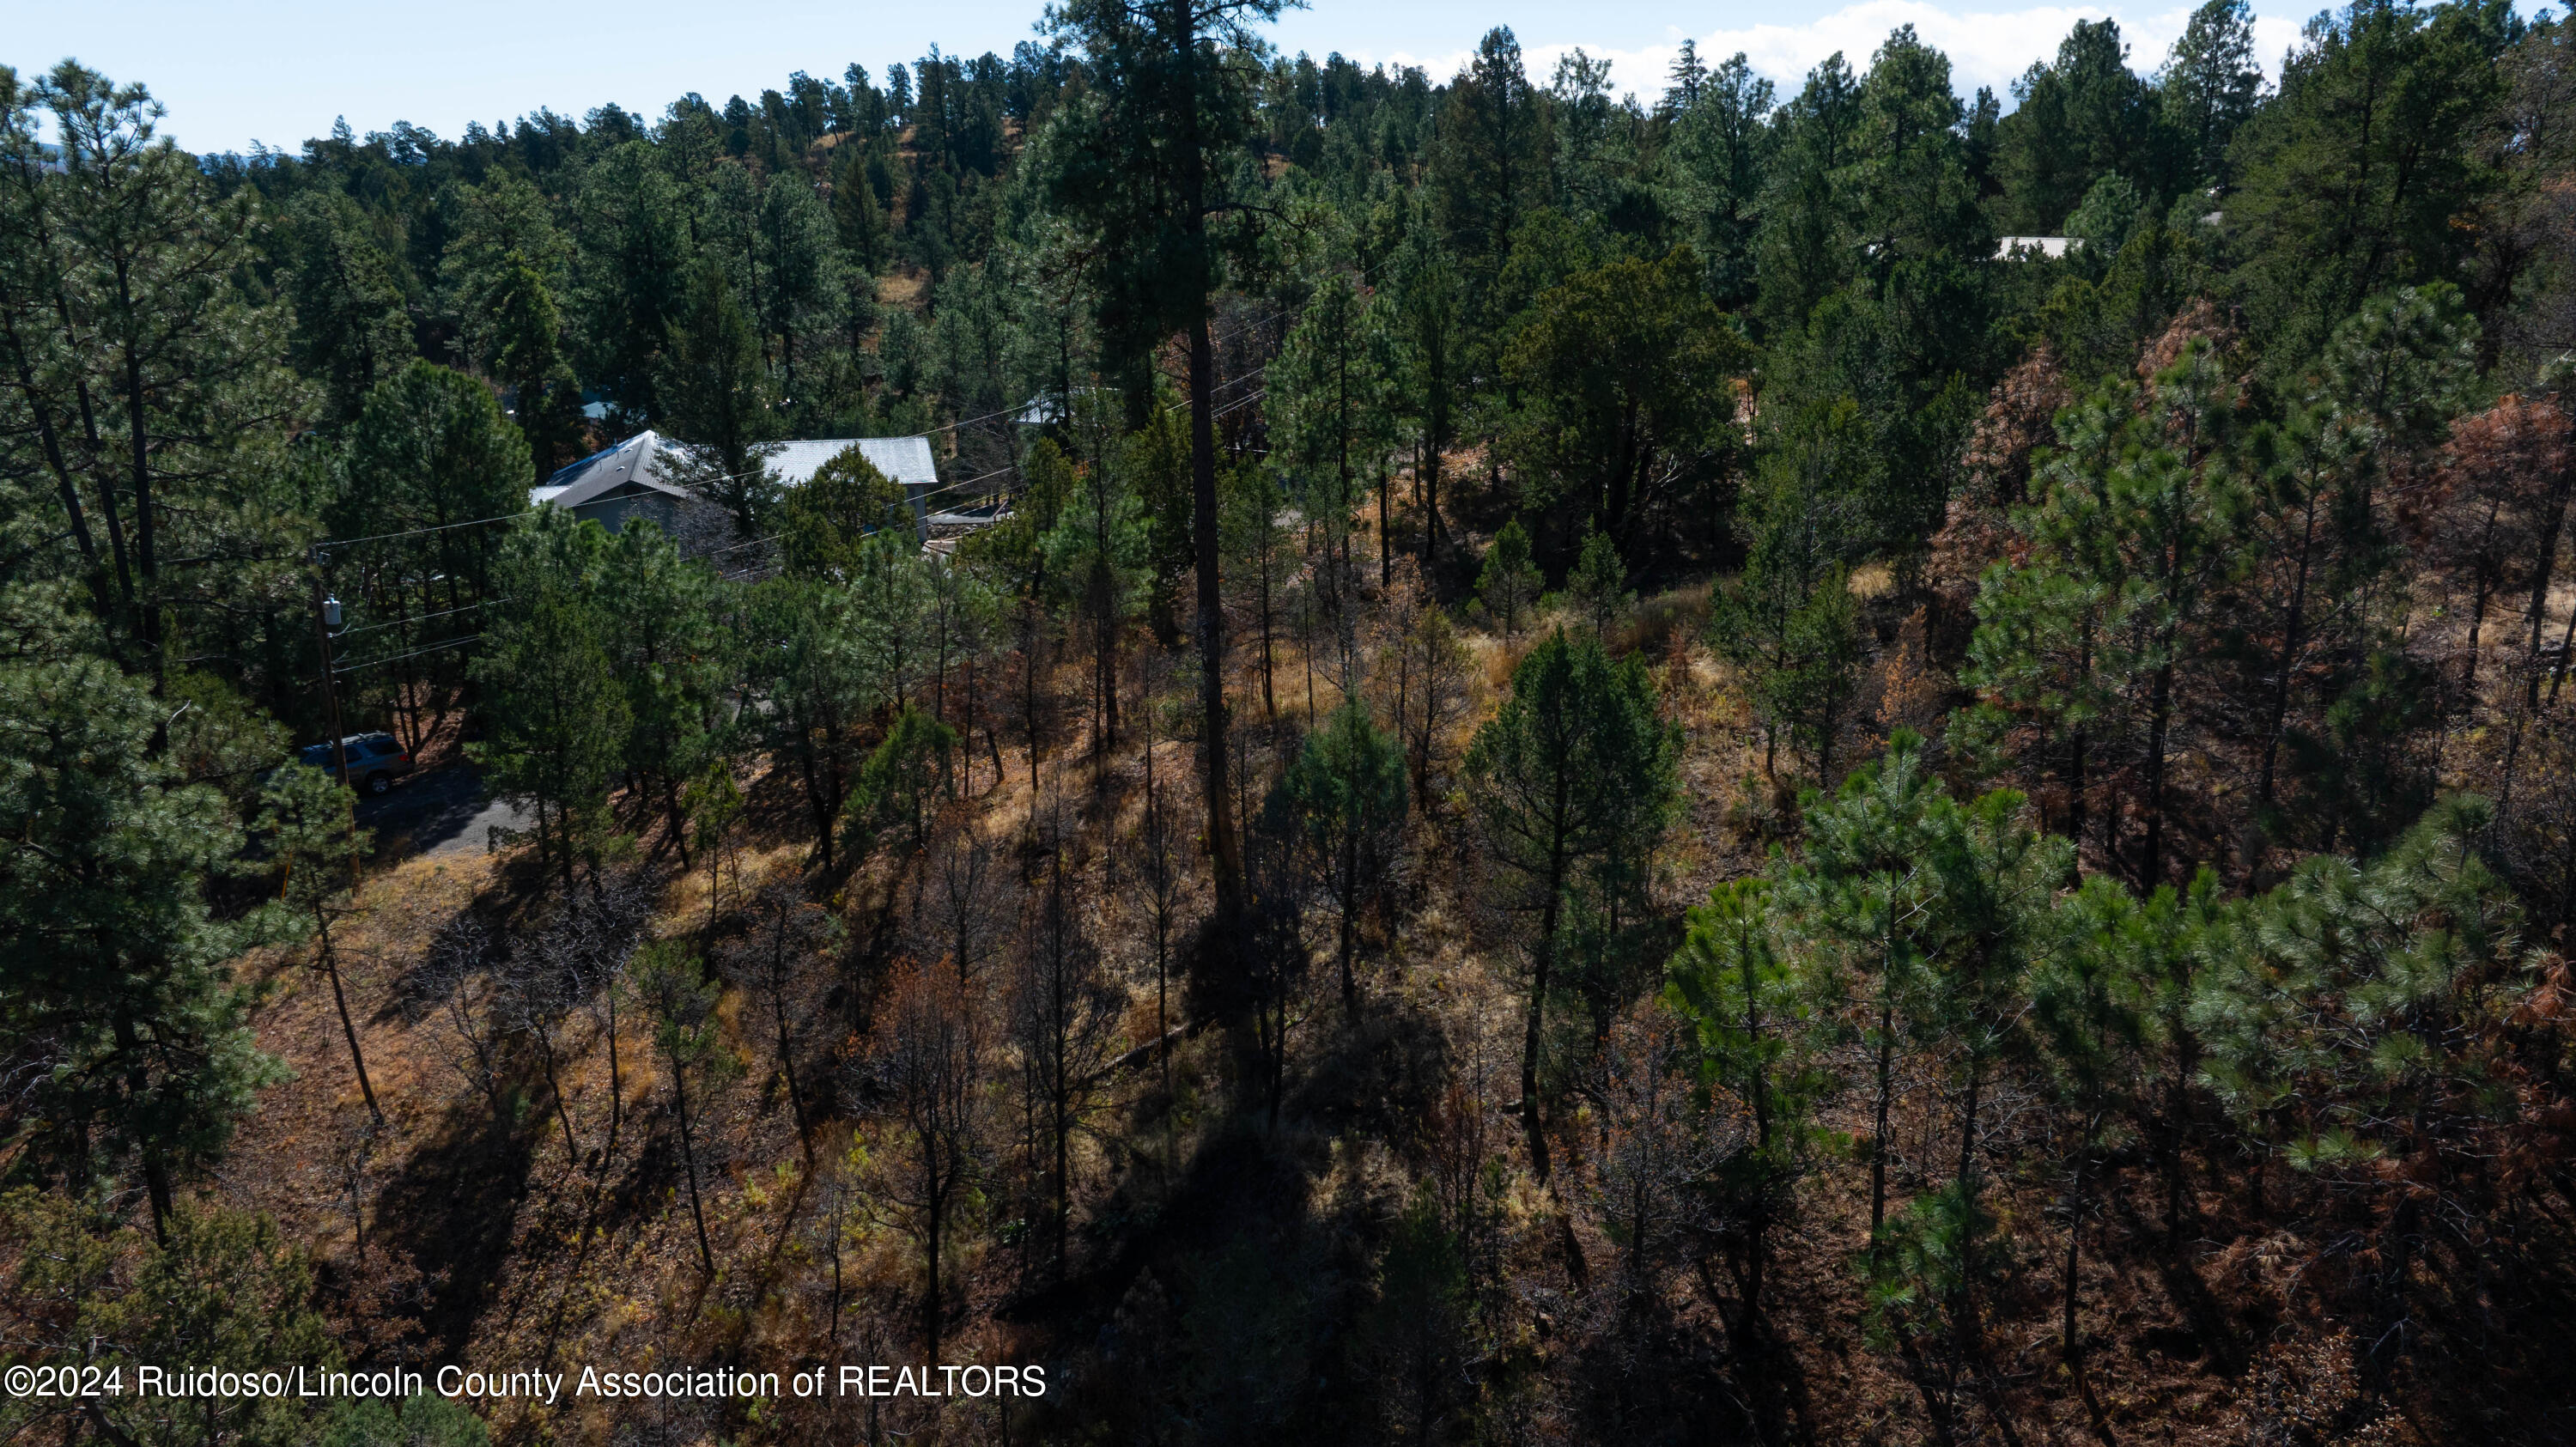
column 416, row 532
column 969, row 482
column 1238, row 380
column 926, row 495
column 399, row 657
column 1239, row 404
column 971, row 421
column 421, row 618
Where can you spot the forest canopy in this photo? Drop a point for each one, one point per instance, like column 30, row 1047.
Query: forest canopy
column 1819, row 763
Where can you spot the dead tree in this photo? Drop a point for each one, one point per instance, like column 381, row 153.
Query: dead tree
column 789, row 930
column 1064, row 1017
column 927, row 1062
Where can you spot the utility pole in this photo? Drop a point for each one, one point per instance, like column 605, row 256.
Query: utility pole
column 326, row 616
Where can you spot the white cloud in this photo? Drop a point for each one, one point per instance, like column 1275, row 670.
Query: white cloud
column 1986, row 47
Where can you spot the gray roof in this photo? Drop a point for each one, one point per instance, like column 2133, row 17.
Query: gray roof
column 906, row 460
column 647, row 460
column 2051, row 247
column 639, row 459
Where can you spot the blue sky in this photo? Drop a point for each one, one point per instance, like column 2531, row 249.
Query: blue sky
column 281, row 70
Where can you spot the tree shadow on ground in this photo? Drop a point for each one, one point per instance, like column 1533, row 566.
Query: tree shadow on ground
column 453, row 1209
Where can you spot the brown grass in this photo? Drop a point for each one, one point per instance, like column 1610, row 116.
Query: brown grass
column 534, row 1263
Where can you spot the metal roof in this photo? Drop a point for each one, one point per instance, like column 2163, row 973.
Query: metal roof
column 906, row 460
column 647, row 458
column 638, row 460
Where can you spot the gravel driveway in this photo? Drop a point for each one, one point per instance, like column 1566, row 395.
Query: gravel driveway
column 442, row 811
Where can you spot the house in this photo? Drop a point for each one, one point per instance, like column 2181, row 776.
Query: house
column 640, row 477
column 632, row 479
column 2015, row 248
column 904, row 460
column 1049, row 408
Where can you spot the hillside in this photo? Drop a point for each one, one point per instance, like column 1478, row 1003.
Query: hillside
column 1542, row 768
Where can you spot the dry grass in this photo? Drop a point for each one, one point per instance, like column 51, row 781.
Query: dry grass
column 538, row 1259
column 903, row 287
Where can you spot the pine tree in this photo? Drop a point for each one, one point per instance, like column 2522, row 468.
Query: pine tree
column 898, row 788
column 680, row 1001
column 1912, row 205
column 1572, row 781
column 800, row 279
column 2355, row 1019
column 668, row 651
column 1615, row 372
column 306, row 822
column 432, row 454
column 806, row 666
column 492, row 230
column 1345, row 790
column 224, row 1287
column 888, row 598
column 158, row 382
column 1938, row 907
column 822, row 523
column 857, row 213
column 2136, row 542
column 713, row 388
column 1148, row 161
column 2082, row 115
column 2331, row 208
column 1332, row 400
column 1509, row 583
column 1599, row 583
column 2210, row 85
column 632, row 275
column 1431, row 347
column 1097, row 557
column 1490, row 163
column 350, row 325
column 545, row 398
column 2091, row 998
column 1788, row 622
column 1804, row 247
column 116, row 965
column 557, row 717
column 1748, row 1010
column 1724, row 144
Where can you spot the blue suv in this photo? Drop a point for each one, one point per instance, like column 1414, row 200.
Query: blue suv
column 375, row 760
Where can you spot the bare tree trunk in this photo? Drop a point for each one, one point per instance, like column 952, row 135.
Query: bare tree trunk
column 554, row 1087
column 1878, row 1136
column 616, row 1085
column 1226, row 849
column 931, row 1307
column 1385, row 532
column 786, row 1054
column 348, row 1027
column 689, row 1162
column 1349, row 892
column 2151, row 868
